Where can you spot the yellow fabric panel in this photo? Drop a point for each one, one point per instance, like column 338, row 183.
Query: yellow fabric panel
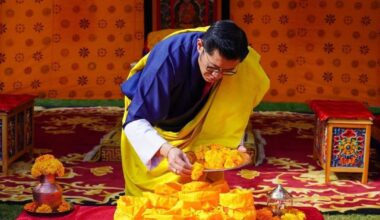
column 64, row 49
column 315, row 49
column 156, row 36
column 208, row 127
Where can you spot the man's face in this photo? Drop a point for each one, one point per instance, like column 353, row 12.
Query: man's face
column 213, row 66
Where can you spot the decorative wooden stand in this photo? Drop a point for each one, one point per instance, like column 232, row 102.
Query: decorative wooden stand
column 16, row 128
column 342, row 136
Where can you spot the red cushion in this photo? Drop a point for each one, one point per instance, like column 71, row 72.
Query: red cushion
column 9, row 102
column 325, row 109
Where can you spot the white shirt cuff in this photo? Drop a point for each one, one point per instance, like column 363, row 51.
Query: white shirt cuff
column 243, row 139
column 145, row 140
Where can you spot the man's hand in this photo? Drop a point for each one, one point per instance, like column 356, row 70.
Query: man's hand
column 178, row 161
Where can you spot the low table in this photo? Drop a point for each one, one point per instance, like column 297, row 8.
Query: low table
column 106, row 213
column 342, row 136
column 16, row 127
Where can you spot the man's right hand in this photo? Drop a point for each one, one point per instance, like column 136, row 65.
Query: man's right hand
column 178, row 161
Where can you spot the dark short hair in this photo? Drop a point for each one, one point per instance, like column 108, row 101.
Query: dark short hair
column 226, row 37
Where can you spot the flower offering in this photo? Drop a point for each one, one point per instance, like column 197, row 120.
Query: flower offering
column 193, row 200
column 215, row 157
column 47, row 195
column 219, row 157
column 47, row 164
column 287, row 214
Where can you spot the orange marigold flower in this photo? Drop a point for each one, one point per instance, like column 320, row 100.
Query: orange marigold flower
column 293, row 214
column 44, row 209
column 47, row 164
column 65, row 206
column 264, row 214
column 219, row 157
column 31, row 206
column 197, row 171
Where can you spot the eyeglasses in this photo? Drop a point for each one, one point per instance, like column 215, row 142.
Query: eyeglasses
column 218, row 70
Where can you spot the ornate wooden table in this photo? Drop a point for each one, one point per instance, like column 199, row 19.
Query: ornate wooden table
column 16, row 127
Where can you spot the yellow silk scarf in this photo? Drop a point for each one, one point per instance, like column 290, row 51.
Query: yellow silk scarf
column 222, row 121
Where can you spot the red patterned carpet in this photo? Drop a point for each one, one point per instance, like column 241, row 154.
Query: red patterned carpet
column 289, row 162
column 69, row 133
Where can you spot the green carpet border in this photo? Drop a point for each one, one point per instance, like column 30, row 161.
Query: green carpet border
column 264, row 106
column 55, row 103
column 373, row 211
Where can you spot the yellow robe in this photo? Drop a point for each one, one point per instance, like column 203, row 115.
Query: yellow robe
column 222, row 121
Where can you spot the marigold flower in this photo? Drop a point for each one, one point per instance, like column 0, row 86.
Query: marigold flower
column 219, row 157
column 30, row 207
column 264, row 214
column 287, row 214
column 197, row 171
column 47, row 164
column 293, row 214
column 247, row 213
column 44, row 209
column 65, row 206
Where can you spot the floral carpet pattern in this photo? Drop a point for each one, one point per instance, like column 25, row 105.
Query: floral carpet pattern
column 70, row 133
